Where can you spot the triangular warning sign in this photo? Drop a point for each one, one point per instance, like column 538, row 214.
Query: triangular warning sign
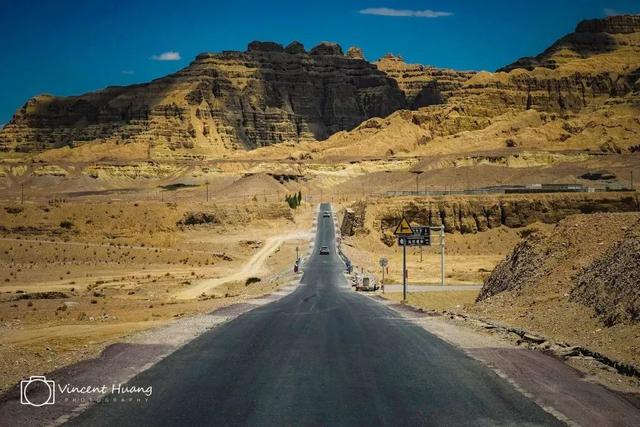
column 403, row 229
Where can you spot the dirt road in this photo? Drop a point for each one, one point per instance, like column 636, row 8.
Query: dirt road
column 253, row 267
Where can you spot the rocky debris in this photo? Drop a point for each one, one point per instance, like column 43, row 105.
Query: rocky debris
column 327, row 48
column 353, row 219
column 532, row 338
column 523, row 266
column 559, row 349
column 354, row 52
column 197, row 218
column 611, row 283
column 588, row 265
column 608, row 279
column 253, row 244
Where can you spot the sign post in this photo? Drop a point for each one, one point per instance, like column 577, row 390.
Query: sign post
column 403, row 231
column 383, row 263
column 404, row 273
column 442, row 255
column 417, row 236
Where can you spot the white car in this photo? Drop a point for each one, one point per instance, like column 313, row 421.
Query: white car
column 324, row 250
column 326, row 214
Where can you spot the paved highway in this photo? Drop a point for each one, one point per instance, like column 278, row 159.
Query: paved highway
column 321, row 356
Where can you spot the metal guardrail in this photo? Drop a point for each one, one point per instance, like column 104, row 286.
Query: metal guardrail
column 511, row 189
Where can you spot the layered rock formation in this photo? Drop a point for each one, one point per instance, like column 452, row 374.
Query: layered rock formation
column 227, row 100
column 423, row 85
column 271, row 94
column 590, row 77
column 478, row 215
column 601, row 59
column 590, row 38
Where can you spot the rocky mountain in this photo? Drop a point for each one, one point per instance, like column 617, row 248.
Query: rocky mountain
column 423, row 85
column 221, row 101
column 590, row 38
column 585, row 89
column 270, row 94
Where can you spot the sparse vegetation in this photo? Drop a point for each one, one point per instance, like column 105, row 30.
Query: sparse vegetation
column 252, row 280
column 13, row 209
column 66, row 224
column 294, row 200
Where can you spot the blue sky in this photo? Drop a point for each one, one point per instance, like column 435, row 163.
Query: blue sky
column 68, row 47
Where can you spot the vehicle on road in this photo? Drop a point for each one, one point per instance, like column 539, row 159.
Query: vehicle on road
column 366, row 283
column 324, row 250
column 326, row 214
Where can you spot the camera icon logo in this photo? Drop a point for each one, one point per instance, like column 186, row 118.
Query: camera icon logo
column 37, row 391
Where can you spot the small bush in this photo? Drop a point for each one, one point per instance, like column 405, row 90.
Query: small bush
column 252, row 280
column 66, row 224
column 13, row 209
column 196, row 218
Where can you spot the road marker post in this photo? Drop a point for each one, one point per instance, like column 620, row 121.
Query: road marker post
column 384, row 262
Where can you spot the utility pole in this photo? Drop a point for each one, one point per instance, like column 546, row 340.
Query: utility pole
column 442, row 254
column 468, row 185
column 22, row 194
column 297, row 254
column 632, row 187
column 207, row 185
column 417, row 173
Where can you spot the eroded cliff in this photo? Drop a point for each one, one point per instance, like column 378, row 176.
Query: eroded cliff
column 221, row 101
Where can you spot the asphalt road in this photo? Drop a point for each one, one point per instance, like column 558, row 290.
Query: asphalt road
column 321, row 356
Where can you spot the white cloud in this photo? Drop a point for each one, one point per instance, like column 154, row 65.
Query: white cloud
column 385, row 11
column 167, row 56
column 613, row 12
